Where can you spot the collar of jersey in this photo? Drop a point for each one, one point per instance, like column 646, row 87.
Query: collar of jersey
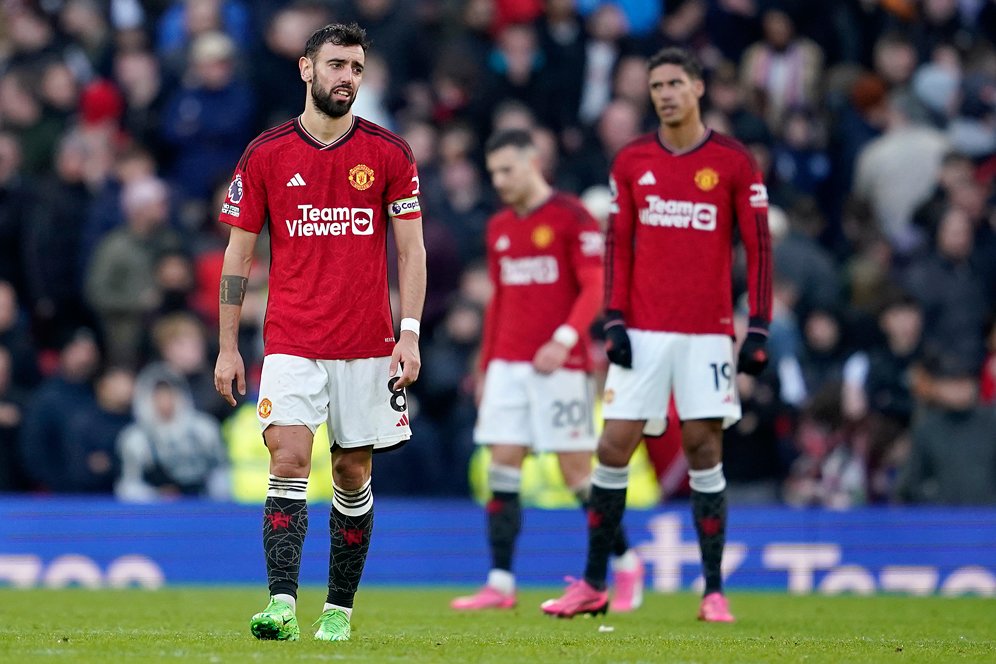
column 314, row 142
column 677, row 153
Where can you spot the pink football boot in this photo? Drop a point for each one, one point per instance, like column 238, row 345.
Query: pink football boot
column 485, row 598
column 715, row 608
column 579, row 598
column 628, row 592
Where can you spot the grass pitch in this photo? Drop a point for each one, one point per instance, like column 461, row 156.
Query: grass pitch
column 390, row 625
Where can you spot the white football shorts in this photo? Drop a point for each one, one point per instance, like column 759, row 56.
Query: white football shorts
column 697, row 368
column 547, row 413
column 356, row 397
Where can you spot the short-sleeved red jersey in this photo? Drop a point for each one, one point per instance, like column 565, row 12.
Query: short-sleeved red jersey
column 670, row 235
column 327, row 207
column 537, row 264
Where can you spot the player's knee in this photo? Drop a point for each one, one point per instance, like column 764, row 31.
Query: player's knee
column 617, row 444
column 611, row 453
column 350, row 475
column 703, row 446
column 290, row 463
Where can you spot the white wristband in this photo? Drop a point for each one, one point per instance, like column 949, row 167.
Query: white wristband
column 410, row 324
column 566, row 336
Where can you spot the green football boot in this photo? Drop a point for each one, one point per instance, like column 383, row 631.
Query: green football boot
column 333, row 625
column 276, row 622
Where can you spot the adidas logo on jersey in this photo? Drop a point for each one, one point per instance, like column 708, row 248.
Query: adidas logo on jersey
column 403, row 422
column 647, row 179
column 296, row 181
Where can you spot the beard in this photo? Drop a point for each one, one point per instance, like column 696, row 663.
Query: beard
column 330, row 105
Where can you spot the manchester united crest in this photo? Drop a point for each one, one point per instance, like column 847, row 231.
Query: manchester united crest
column 542, row 236
column 706, row 179
column 361, row 177
column 265, row 408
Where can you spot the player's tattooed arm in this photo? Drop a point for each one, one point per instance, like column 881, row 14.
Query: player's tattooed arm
column 233, row 289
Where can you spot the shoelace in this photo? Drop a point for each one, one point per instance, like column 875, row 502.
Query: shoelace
column 332, row 618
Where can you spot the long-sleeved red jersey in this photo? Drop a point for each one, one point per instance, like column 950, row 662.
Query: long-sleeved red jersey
column 670, row 238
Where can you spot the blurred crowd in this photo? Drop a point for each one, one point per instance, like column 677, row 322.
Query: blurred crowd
column 874, row 121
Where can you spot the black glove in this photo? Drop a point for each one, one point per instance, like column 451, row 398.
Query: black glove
column 753, row 356
column 617, row 345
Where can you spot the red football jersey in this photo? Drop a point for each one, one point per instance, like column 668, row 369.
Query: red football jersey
column 537, row 264
column 327, row 207
column 670, row 238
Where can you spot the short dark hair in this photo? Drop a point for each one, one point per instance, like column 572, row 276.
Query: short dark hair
column 340, row 34
column 676, row 56
column 519, row 138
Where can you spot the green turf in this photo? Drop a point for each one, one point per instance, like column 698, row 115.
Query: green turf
column 211, row 625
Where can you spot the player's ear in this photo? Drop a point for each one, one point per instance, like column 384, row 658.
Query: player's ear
column 698, row 85
column 306, row 68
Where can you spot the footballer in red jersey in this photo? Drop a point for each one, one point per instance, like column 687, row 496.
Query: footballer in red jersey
column 545, row 254
column 326, row 185
column 678, row 194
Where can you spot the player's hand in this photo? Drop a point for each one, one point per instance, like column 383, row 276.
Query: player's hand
column 406, row 354
column 617, row 345
column 753, row 357
column 550, row 357
column 228, row 368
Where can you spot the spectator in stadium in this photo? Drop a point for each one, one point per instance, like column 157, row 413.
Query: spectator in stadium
column 516, row 70
column 799, row 156
column 818, row 367
column 37, row 129
column 139, row 76
column 618, row 124
column 951, row 290
column 174, row 277
column 88, row 27
column 801, row 260
column 12, row 402
column 52, row 406
column 274, row 75
column 30, row 35
column 15, row 336
column 389, row 26
column 563, row 43
column 726, row 95
column 955, row 169
column 784, row 67
column 59, row 90
column 877, row 401
column 120, row 280
column 105, row 214
column 896, row 171
column 52, row 240
column 653, row 325
column 186, row 20
column 939, row 25
column 181, row 346
column 683, row 24
column 14, row 200
column 606, row 30
column 894, row 60
column 91, row 434
column 953, row 457
column 208, row 119
column 350, row 371
column 171, row 449
column 545, row 261
column 464, row 208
